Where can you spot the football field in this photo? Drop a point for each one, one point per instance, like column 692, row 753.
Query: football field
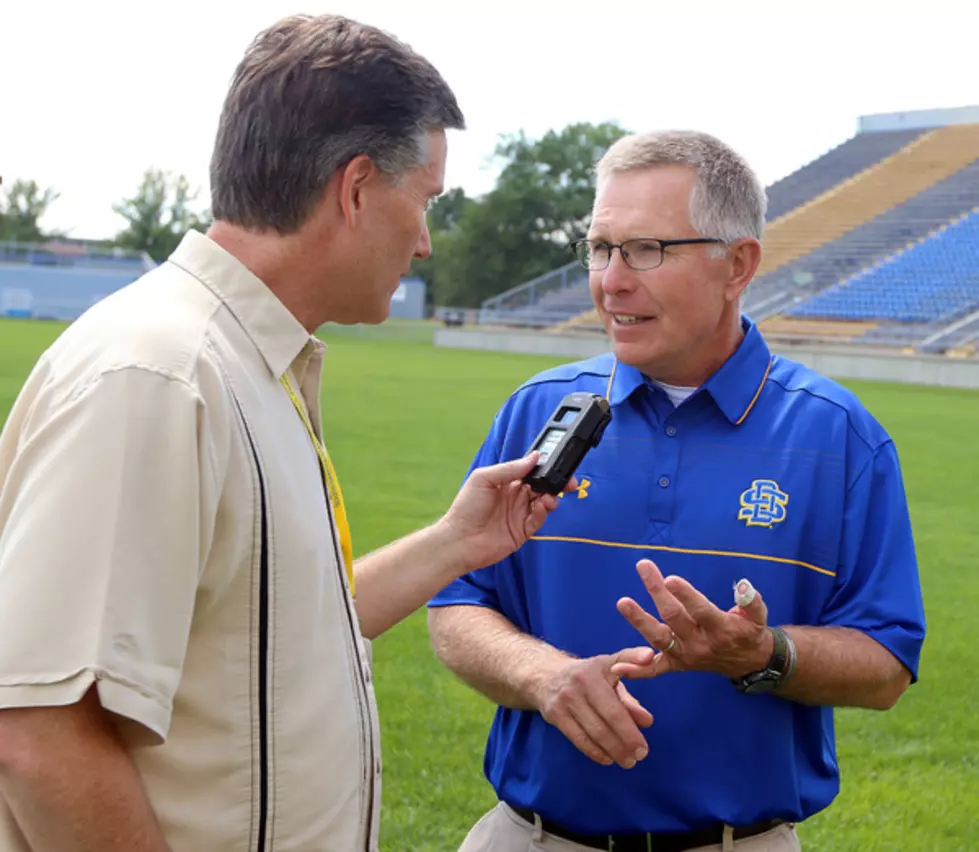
column 403, row 419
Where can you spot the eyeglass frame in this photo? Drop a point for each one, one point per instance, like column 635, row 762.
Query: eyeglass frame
column 663, row 245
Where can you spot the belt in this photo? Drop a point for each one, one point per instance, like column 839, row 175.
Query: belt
column 650, row 842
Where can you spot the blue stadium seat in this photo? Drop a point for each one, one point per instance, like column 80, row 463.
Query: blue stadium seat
column 935, row 281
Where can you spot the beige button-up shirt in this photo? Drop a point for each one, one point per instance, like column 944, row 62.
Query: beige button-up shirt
column 164, row 535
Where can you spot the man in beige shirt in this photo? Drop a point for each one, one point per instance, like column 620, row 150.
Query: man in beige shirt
column 184, row 661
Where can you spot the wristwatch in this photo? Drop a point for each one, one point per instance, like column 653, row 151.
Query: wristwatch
column 779, row 669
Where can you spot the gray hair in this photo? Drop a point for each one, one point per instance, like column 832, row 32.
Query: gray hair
column 728, row 201
column 310, row 94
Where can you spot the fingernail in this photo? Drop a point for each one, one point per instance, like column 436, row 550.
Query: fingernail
column 629, row 764
column 641, row 752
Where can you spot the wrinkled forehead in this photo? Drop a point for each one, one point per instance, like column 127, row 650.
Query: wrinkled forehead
column 652, row 202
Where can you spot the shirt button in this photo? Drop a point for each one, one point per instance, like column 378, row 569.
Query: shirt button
column 671, row 431
column 664, row 482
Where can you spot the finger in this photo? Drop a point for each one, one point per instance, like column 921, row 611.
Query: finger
column 610, row 726
column 699, row 607
column 654, row 632
column 640, row 715
column 750, row 603
column 549, row 501
column 660, row 665
column 572, row 484
column 507, row 472
column 535, row 518
column 581, row 741
column 671, row 610
column 636, row 656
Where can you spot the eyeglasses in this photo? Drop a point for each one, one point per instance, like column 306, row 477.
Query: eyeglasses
column 641, row 253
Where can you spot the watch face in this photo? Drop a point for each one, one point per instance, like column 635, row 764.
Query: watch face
column 764, row 682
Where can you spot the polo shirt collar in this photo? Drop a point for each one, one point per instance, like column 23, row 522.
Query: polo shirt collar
column 735, row 387
column 624, row 381
column 276, row 333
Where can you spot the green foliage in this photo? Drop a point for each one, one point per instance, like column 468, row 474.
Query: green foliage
column 158, row 215
column 521, row 229
column 22, row 205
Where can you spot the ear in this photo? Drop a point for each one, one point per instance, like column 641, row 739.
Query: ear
column 744, row 260
column 354, row 178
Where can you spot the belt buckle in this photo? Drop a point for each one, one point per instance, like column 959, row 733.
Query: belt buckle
column 613, row 847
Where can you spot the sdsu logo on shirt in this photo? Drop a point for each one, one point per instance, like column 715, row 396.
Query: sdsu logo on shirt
column 763, row 505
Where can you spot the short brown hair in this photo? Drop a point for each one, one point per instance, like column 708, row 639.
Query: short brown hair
column 310, row 94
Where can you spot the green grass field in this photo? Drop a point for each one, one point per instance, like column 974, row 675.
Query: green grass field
column 403, row 420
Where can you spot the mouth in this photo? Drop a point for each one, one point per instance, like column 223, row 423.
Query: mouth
column 629, row 319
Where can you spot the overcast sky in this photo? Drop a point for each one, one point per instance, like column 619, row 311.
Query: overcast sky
column 91, row 94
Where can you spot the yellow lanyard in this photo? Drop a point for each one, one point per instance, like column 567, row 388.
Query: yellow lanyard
column 332, row 483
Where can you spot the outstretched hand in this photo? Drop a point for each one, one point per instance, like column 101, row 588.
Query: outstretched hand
column 495, row 512
column 694, row 634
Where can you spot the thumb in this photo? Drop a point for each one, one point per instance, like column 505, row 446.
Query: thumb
column 631, row 656
column 506, row 472
column 749, row 603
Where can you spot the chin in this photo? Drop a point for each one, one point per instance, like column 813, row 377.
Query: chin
column 634, row 353
column 379, row 315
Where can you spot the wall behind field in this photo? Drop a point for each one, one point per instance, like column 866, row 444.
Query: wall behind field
column 837, row 362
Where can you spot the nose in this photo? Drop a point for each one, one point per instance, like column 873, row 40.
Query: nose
column 424, row 247
column 617, row 277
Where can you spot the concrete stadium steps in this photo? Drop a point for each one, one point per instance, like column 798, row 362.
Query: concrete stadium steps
column 839, row 331
column 930, row 158
column 584, row 321
column 967, row 351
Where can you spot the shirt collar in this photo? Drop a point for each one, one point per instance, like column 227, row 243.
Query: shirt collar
column 735, row 387
column 276, row 333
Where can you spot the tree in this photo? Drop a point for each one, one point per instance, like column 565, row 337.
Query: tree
column 443, row 223
column 523, row 227
column 158, row 215
column 22, row 206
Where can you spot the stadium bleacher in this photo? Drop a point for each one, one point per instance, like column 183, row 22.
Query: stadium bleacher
column 835, row 166
column 929, row 159
column 61, row 280
column 866, row 244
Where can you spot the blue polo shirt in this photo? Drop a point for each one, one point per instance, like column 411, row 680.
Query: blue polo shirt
column 769, row 471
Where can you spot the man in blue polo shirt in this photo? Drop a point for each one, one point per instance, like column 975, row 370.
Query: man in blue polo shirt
column 721, row 462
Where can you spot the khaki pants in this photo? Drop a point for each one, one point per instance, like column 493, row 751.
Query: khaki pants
column 501, row 830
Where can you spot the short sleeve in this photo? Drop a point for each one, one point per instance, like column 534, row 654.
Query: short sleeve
column 107, row 496
column 878, row 589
